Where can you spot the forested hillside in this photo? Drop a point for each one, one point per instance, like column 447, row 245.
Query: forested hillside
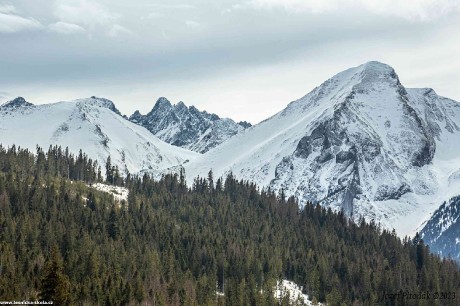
column 62, row 240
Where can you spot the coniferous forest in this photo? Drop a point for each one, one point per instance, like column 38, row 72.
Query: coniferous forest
column 168, row 244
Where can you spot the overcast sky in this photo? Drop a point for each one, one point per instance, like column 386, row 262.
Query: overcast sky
column 243, row 59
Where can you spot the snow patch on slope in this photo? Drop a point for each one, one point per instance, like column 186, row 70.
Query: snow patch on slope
column 119, row 193
column 286, row 288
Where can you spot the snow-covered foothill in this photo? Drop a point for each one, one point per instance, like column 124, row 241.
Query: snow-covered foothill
column 93, row 125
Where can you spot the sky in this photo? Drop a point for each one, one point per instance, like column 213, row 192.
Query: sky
column 243, row 59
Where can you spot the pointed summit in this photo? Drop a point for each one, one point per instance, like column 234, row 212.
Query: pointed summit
column 181, row 104
column 377, row 72
column 366, row 74
column 370, row 77
column 377, row 66
column 181, row 107
column 163, row 103
column 136, row 117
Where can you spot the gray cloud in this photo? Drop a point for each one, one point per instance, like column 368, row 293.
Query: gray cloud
column 412, row 10
column 66, row 28
column 7, row 9
column 10, row 22
column 218, row 53
column 3, row 96
column 89, row 13
column 178, row 6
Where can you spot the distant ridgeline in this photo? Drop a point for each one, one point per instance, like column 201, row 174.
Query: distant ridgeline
column 64, row 241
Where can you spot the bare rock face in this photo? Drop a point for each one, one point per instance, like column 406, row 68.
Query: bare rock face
column 187, row 127
column 371, row 123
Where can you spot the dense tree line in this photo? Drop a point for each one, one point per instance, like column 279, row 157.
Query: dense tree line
column 173, row 245
column 56, row 162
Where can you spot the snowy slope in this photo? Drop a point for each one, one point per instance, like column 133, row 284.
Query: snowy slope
column 360, row 142
column 442, row 231
column 93, row 125
column 187, row 127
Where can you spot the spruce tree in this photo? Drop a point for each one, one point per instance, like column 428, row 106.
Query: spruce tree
column 55, row 284
column 109, row 170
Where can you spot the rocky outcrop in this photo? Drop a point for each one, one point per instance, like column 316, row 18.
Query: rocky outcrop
column 187, row 127
column 16, row 103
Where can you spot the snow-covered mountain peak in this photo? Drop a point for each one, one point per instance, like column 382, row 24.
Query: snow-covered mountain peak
column 366, row 75
column 360, row 142
column 162, row 105
column 17, row 102
column 373, row 73
column 370, row 71
column 97, row 102
column 377, row 67
column 181, row 107
column 344, row 86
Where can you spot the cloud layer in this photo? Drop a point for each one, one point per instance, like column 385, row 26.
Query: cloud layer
column 66, row 28
column 10, row 22
column 410, row 9
column 240, row 58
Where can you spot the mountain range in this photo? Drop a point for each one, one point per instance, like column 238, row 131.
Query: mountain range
column 187, row 127
column 94, row 125
column 360, row 142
